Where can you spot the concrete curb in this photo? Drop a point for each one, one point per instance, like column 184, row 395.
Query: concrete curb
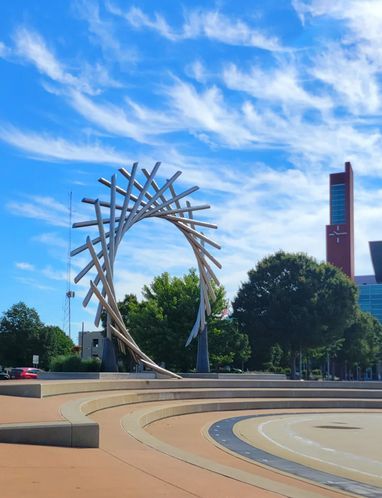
column 30, row 390
column 45, row 433
column 60, row 433
column 57, row 387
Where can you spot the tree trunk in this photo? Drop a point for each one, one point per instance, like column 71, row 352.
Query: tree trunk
column 307, row 367
column 293, row 357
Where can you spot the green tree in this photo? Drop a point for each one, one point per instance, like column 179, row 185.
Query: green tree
column 276, row 357
column 23, row 334
column 292, row 300
column 19, row 330
column 52, row 342
column 227, row 345
column 163, row 320
column 362, row 345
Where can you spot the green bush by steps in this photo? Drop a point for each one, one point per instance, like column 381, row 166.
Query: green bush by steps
column 74, row 363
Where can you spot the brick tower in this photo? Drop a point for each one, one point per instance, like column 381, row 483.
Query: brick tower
column 340, row 232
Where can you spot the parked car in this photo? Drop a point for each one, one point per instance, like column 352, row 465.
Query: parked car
column 24, row 373
column 4, row 376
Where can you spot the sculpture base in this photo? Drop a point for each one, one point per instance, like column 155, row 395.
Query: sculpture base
column 203, row 359
column 109, row 360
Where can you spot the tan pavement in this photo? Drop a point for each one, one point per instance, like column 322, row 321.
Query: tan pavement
column 347, row 444
column 125, row 467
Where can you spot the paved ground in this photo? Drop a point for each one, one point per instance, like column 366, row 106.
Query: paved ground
column 125, row 467
column 190, row 433
column 348, row 444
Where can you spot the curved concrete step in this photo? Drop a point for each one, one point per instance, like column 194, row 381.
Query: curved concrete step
column 54, row 388
column 83, row 432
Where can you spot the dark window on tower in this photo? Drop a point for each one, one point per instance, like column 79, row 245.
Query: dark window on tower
column 337, row 204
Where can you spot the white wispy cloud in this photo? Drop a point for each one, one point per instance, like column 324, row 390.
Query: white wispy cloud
column 102, row 33
column 48, row 272
column 30, row 46
column 197, row 71
column 280, row 85
column 98, row 74
column 210, row 24
column 358, row 88
column 52, row 239
column 48, row 147
column 219, row 27
column 206, row 111
column 185, row 109
column 113, row 118
column 131, row 282
column 4, row 50
column 356, row 55
column 363, row 17
column 22, row 265
column 54, row 274
column 316, row 143
column 138, row 19
column 208, row 115
column 45, row 209
column 210, row 174
column 34, row 283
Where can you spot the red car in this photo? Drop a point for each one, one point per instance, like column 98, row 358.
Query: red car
column 24, row 373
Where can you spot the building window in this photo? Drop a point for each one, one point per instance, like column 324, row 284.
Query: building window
column 95, row 343
column 338, row 204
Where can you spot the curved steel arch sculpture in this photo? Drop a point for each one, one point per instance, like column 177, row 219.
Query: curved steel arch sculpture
column 136, row 207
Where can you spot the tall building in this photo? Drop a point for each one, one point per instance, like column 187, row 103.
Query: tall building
column 340, row 232
column 340, row 251
column 369, row 286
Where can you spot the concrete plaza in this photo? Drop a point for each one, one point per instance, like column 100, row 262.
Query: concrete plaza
column 154, row 438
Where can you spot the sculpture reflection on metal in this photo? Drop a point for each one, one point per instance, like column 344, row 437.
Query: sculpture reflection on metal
column 140, row 201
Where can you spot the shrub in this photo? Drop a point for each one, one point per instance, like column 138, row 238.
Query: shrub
column 316, row 374
column 92, row 365
column 73, row 363
column 269, row 367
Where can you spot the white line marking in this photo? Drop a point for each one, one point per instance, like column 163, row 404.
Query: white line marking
column 276, row 443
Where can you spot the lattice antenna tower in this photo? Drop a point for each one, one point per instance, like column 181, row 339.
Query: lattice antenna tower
column 69, row 295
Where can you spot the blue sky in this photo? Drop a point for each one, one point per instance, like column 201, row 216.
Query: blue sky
column 256, row 102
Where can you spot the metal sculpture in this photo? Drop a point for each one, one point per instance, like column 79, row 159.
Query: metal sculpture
column 135, row 207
